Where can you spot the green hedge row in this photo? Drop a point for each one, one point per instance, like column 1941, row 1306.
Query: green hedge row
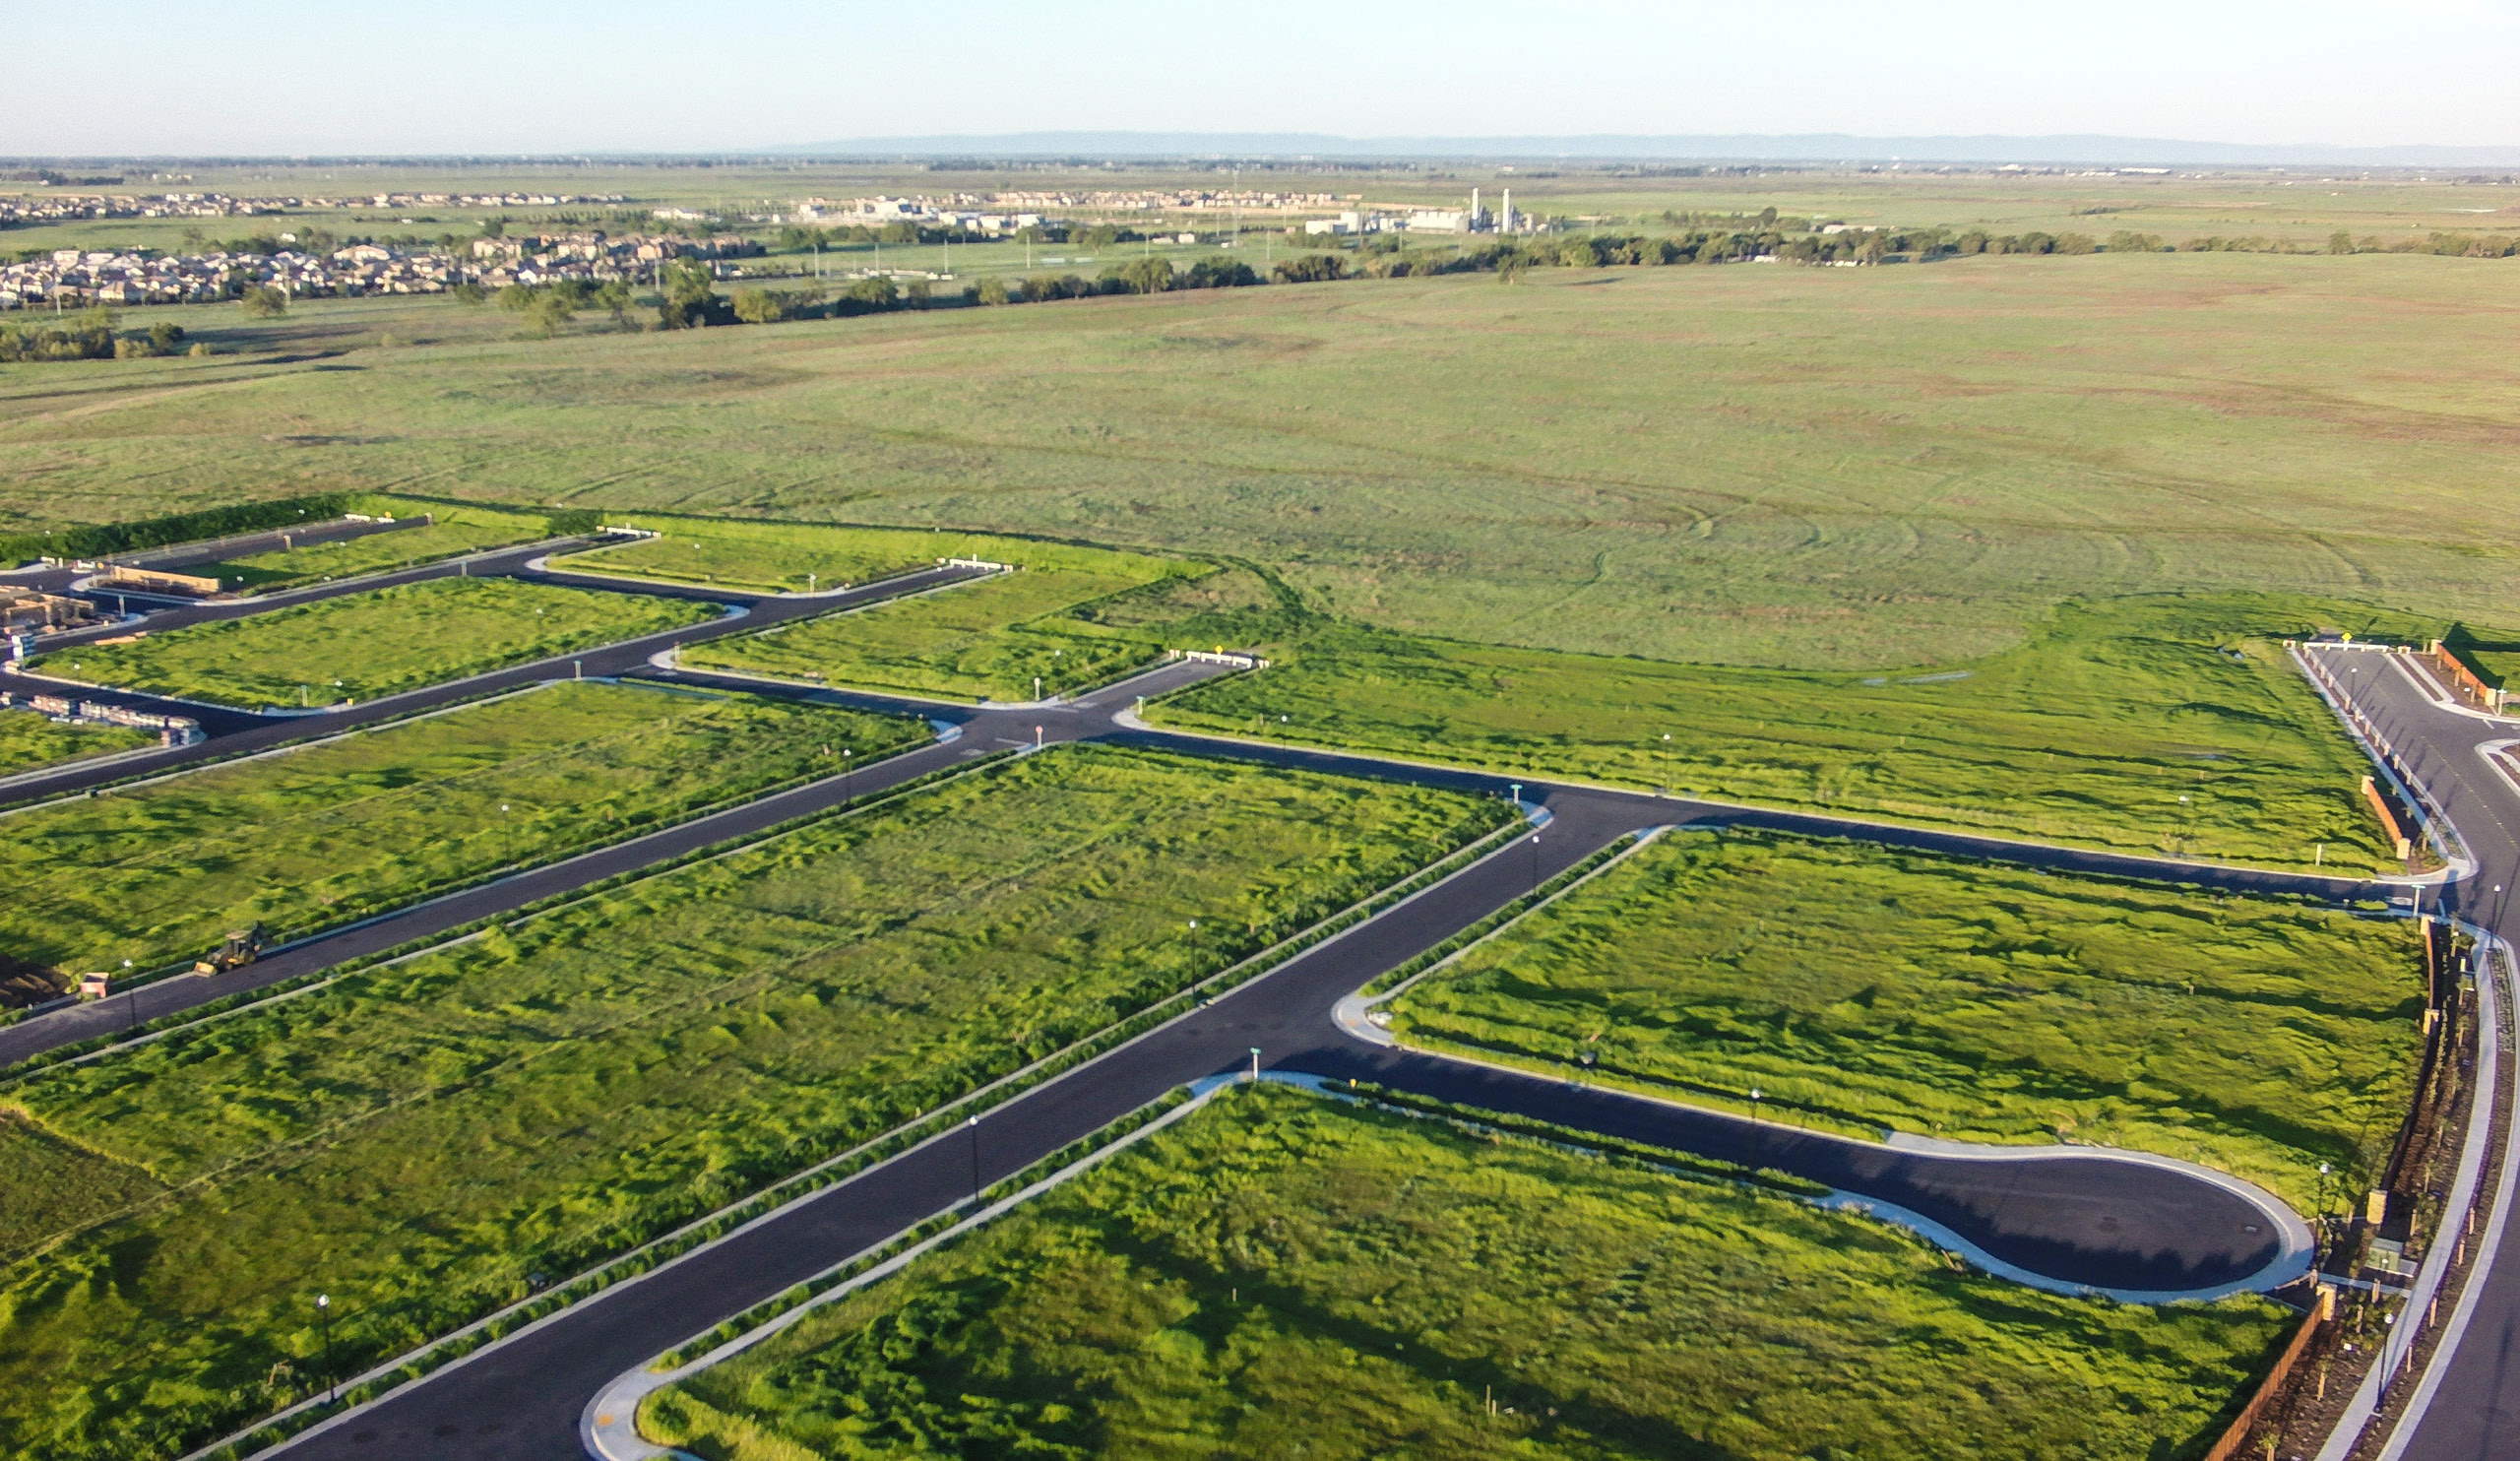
column 97, row 540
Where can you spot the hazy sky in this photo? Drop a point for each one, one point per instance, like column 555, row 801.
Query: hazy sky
column 463, row 75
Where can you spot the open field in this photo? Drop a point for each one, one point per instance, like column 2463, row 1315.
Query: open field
column 997, row 639
column 29, row 740
column 782, row 557
column 361, row 646
column 2170, row 725
column 1853, row 470
column 2290, row 202
column 336, row 831
column 443, row 1130
column 1941, row 996
column 1283, row 1275
column 453, row 532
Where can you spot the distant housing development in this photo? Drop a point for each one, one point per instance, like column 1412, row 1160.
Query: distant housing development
column 75, row 276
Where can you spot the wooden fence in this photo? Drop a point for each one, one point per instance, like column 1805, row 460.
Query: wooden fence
column 2272, row 1386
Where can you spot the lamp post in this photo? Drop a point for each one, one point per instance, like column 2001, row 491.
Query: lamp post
column 324, row 1320
column 1667, row 763
column 1255, row 1064
column 974, row 1126
column 1754, row 1128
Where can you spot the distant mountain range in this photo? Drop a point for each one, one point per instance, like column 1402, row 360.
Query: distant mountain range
column 1818, row 146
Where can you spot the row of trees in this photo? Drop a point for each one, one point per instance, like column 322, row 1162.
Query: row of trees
column 89, row 336
column 1143, row 275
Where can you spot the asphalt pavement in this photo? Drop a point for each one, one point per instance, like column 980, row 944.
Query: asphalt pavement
column 2094, row 1220
column 519, row 1402
column 231, row 733
column 2097, row 1220
column 981, row 732
column 2473, row 1413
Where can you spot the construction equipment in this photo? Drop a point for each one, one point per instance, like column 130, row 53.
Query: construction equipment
column 243, row 948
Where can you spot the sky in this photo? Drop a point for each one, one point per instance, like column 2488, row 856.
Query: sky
column 282, row 77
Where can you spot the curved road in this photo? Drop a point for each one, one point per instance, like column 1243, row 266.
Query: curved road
column 2423, row 734
column 230, row 732
column 2083, row 1218
column 2087, row 1218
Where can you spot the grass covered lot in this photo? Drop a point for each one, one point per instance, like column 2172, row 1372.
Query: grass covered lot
column 1834, row 469
column 781, row 557
column 2160, row 724
column 454, row 530
column 421, row 1140
column 988, row 640
column 29, row 740
column 1283, row 1275
column 345, row 828
column 1964, row 999
column 361, row 646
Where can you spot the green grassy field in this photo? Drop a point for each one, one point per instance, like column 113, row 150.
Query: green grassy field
column 453, row 532
column 1943, row 996
column 998, row 639
column 342, row 829
column 2169, row 725
column 361, row 646
column 786, row 558
column 29, row 740
column 1283, row 1275
column 1858, row 470
column 441, row 1131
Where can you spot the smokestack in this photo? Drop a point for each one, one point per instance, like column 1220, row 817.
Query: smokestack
column 1505, row 216
column 1474, row 209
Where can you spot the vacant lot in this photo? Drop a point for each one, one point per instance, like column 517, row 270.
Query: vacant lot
column 29, row 740
column 361, row 646
column 350, row 827
column 2170, row 725
column 443, row 1130
column 999, row 639
column 453, row 532
column 1283, row 1275
column 1849, row 469
column 1857, row 985
column 782, row 557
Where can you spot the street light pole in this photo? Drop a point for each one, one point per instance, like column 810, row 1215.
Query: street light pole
column 974, row 1126
column 324, row 1319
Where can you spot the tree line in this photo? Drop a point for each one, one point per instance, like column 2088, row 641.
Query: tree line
column 89, row 335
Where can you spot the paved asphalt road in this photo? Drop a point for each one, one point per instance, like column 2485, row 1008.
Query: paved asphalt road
column 231, row 732
column 982, row 732
column 177, row 557
column 2091, row 1221
column 2475, row 1414
column 2095, row 1221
